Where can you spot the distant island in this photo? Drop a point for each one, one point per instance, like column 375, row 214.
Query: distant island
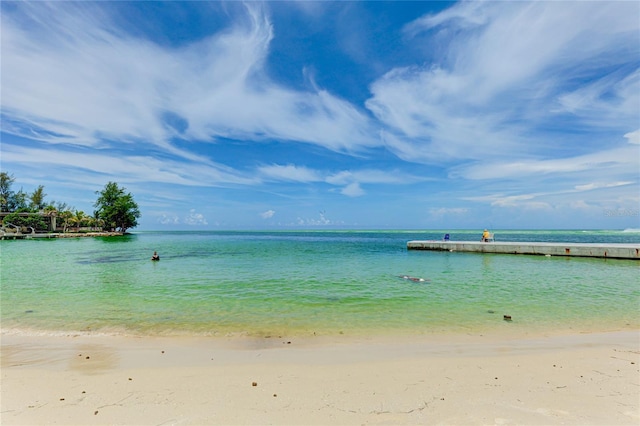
column 24, row 215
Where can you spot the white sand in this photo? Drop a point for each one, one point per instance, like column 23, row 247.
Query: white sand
column 574, row 379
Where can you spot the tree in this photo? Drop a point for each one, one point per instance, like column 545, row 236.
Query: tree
column 6, row 180
column 79, row 219
column 50, row 210
column 37, row 198
column 65, row 219
column 34, row 221
column 18, row 202
column 116, row 208
column 11, row 201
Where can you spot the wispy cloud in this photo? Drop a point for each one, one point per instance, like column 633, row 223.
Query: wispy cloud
column 623, row 159
column 446, row 211
column 495, row 105
column 348, row 180
column 600, row 185
column 130, row 168
column 290, row 172
column 126, row 89
column 509, row 71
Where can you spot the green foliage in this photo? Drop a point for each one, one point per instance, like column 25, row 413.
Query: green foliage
column 6, row 180
column 37, row 199
column 35, row 221
column 18, row 202
column 116, row 208
column 11, row 201
column 65, row 218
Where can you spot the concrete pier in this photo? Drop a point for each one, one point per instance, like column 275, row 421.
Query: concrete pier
column 605, row 251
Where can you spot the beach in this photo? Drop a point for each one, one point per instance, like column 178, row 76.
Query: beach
column 449, row 379
column 315, row 328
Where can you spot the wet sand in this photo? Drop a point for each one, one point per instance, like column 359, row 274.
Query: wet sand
column 579, row 379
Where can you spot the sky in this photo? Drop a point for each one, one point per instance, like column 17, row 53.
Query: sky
column 329, row 115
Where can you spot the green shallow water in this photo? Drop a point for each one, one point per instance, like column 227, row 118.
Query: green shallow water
column 274, row 283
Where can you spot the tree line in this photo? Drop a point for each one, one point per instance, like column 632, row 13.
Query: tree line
column 115, row 209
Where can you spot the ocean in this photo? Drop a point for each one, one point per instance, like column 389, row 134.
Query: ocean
column 303, row 283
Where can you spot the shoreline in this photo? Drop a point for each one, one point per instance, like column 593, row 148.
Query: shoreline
column 504, row 329
column 40, row 236
column 579, row 378
column 89, row 234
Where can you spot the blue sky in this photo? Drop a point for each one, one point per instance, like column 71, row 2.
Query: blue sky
column 318, row 115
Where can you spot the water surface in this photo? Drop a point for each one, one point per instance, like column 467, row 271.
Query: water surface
column 275, row 283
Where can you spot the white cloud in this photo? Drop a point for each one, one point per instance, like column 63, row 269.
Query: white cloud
column 469, row 15
column 123, row 88
column 348, row 180
column 170, row 219
column 529, row 97
column 580, row 205
column 615, row 161
column 322, row 220
column 290, row 172
column 524, row 201
column 611, row 99
column 633, row 137
column 600, row 185
column 503, row 66
column 447, row 211
column 353, row 190
column 267, row 214
column 371, row 176
column 562, row 199
column 194, row 218
column 131, row 168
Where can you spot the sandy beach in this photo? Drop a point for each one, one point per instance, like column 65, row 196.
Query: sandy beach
column 575, row 379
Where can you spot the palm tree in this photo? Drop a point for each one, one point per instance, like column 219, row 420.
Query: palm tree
column 78, row 219
column 65, row 216
column 91, row 222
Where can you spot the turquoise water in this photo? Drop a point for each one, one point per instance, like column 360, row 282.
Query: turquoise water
column 301, row 283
